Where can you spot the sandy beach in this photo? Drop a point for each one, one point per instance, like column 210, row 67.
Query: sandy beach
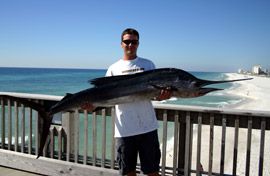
column 255, row 95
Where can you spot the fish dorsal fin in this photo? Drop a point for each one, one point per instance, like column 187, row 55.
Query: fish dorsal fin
column 68, row 95
column 110, row 79
column 106, row 80
column 157, row 87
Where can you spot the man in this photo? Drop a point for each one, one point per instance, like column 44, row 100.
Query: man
column 136, row 123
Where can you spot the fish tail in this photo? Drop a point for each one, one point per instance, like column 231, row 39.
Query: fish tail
column 47, row 119
column 43, row 112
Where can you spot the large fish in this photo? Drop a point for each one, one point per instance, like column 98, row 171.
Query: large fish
column 109, row 91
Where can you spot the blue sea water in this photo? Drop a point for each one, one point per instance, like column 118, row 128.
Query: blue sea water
column 52, row 81
column 47, row 80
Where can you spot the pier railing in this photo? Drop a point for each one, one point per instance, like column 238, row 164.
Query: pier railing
column 194, row 140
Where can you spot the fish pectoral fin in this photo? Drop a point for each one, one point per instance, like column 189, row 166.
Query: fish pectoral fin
column 164, row 88
column 68, row 95
column 158, row 87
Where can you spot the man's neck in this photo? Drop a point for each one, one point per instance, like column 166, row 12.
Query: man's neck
column 126, row 58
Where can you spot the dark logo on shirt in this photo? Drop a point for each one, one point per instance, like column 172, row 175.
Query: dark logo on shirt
column 133, row 70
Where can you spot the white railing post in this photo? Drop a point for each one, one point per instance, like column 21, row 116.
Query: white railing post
column 68, row 126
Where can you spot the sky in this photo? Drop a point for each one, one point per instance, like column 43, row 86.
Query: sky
column 193, row 35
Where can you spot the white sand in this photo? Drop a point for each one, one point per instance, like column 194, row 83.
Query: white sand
column 256, row 96
column 255, row 91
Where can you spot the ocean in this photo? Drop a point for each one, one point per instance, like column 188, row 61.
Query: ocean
column 54, row 81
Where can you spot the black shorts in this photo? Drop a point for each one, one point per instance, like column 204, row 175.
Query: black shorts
column 146, row 145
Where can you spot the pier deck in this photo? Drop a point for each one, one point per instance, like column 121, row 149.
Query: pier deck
column 6, row 171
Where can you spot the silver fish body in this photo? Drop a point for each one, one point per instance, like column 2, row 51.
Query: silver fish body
column 109, row 91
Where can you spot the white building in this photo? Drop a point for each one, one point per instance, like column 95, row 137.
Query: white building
column 240, row 71
column 257, row 69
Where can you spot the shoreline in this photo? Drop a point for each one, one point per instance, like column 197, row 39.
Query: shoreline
column 255, row 95
column 256, row 92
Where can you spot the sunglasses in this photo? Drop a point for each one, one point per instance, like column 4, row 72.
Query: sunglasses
column 127, row 42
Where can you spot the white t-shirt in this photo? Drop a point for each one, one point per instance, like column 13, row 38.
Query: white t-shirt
column 137, row 117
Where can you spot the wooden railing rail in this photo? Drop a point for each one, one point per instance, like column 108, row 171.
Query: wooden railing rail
column 87, row 139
